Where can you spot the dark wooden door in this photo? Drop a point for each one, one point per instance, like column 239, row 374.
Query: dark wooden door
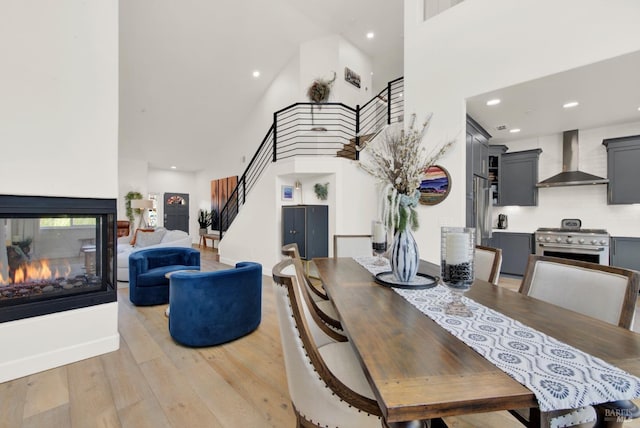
column 176, row 211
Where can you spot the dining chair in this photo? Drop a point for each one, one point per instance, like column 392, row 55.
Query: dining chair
column 487, row 263
column 318, row 293
column 326, row 383
column 351, row 245
column 604, row 292
column 321, row 306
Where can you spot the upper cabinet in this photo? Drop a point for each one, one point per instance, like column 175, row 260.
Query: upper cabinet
column 495, row 157
column 623, row 158
column 518, row 178
column 477, row 148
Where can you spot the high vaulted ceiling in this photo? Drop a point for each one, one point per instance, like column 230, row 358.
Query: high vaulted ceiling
column 185, row 67
column 608, row 93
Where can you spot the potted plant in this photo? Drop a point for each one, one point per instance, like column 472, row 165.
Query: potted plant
column 204, row 220
column 130, row 211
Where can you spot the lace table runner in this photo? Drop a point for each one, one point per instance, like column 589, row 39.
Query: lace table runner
column 560, row 376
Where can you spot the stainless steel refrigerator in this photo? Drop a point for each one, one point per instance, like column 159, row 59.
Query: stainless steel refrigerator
column 482, row 207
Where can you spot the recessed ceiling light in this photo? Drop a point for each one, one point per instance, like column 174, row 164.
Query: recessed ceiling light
column 514, row 130
column 638, row 108
column 173, row 167
column 256, row 73
column 570, row 104
column 370, row 35
column 493, row 102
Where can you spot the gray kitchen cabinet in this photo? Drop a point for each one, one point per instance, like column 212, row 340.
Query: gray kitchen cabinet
column 623, row 158
column 516, row 248
column 477, row 151
column 478, row 143
column 495, row 157
column 625, row 252
column 518, row 178
column 307, row 226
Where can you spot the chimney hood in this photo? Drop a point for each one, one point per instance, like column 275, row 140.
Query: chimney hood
column 570, row 175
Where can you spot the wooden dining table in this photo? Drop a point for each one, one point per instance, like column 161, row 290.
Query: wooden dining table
column 418, row 370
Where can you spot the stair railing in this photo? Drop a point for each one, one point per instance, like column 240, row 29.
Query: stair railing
column 328, row 129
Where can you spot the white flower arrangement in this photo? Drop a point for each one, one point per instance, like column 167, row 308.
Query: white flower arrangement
column 398, row 160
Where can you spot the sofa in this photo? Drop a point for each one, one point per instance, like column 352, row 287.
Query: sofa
column 147, row 238
column 148, row 269
column 210, row 308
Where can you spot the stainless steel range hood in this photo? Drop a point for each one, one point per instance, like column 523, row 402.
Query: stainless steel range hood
column 570, row 175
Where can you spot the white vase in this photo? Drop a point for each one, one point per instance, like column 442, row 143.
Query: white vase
column 405, row 257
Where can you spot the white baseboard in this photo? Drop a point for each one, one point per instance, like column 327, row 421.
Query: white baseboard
column 40, row 343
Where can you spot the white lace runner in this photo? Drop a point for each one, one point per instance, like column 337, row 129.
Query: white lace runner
column 560, row 376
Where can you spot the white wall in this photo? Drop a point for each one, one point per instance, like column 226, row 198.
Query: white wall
column 228, row 158
column 59, row 133
column 162, row 181
column 482, row 45
column 256, row 234
column 319, row 58
column 588, row 203
column 59, row 103
column 132, row 177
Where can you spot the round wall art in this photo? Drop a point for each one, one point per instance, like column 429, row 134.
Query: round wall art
column 435, row 186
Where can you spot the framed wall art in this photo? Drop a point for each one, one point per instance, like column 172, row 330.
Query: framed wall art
column 352, row 77
column 287, row 193
column 435, row 187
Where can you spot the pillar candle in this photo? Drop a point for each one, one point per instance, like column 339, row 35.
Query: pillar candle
column 457, row 248
column 379, row 234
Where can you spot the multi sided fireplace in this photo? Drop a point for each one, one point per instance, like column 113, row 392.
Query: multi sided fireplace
column 58, row 255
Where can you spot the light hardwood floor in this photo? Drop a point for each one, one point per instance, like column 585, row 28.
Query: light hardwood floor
column 153, row 382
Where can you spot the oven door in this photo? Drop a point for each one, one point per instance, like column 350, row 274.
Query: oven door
column 586, row 253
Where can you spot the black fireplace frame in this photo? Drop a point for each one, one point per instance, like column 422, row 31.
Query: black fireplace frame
column 39, row 206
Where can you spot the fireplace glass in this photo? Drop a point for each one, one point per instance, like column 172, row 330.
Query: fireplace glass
column 58, row 254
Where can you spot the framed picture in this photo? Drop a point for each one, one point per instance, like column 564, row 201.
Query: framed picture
column 352, row 77
column 287, row 193
column 435, row 187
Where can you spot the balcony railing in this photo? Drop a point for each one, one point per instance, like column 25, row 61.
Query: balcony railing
column 329, row 129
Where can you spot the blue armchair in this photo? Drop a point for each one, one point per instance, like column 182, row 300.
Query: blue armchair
column 209, row 308
column 147, row 269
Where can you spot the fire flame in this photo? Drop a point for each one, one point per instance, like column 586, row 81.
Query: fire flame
column 36, row 271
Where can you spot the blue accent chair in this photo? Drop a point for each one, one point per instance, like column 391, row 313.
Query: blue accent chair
column 147, row 269
column 209, row 308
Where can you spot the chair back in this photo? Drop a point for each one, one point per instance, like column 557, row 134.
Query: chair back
column 604, row 292
column 318, row 395
column 487, row 263
column 351, row 245
column 323, row 329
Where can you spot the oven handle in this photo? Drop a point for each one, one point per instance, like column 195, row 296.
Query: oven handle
column 572, row 247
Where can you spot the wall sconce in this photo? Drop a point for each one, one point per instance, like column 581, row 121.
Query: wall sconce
column 298, row 186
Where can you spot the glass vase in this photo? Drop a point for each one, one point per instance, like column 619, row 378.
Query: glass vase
column 457, row 247
column 405, row 257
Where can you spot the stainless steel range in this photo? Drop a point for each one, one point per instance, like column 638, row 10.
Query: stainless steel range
column 572, row 242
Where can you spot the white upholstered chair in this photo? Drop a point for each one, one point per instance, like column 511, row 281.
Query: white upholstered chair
column 487, row 264
column 321, row 307
column 326, row 383
column 604, row 292
column 352, row 245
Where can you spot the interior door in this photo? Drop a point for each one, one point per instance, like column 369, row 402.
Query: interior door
column 176, row 211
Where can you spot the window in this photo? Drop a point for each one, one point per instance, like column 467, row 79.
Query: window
column 53, row 222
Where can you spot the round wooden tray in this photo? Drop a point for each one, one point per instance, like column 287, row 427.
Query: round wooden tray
column 421, row 281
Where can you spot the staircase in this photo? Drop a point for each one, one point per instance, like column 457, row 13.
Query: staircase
column 350, row 150
column 330, row 129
